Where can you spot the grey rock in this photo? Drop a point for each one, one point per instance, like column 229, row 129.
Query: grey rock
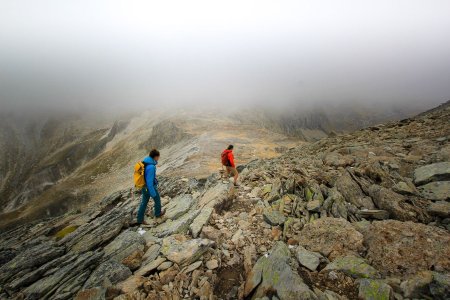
column 377, row 214
column 151, row 254
column 273, row 274
column 370, row 289
column 313, row 206
column 329, row 295
column 150, row 266
column 353, row 266
column 439, row 208
column 335, row 203
column 107, row 274
column 124, row 245
column 38, row 273
column 352, row 192
column 275, row 191
column 404, row 188
column 164, row 266
column 99, row 231
column 337, row 160
column 178, row 206
column 417, row 285
column 434, row 172
column 309, row 259
column 193, row 266
column 31, row 258
column 215, row 195
column 181, row 225
column 274, row 217
column 438, row 190
column 184, row 252
column 66, row 280
column 440, row 286
column 395, row 204
column 201, row 220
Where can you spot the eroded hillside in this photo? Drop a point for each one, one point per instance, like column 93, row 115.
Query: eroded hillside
column 363, row 215
column 52, row 166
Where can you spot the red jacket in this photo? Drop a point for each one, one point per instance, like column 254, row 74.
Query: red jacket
column 230, row 156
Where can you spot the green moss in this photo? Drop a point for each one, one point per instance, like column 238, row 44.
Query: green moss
column 308, row 194
column 374, row 290
column 65, row 231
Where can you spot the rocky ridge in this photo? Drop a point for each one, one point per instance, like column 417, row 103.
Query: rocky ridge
column 363, row 215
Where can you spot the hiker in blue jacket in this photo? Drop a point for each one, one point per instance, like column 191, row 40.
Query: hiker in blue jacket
column 151, row 187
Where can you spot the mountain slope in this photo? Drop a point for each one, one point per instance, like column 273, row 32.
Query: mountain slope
column 66, row 163
column 347, row 217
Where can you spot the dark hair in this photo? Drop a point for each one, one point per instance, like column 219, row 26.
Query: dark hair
column 154, row 153
column 230, row 147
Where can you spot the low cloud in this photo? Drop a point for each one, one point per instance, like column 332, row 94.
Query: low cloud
column 121, row 54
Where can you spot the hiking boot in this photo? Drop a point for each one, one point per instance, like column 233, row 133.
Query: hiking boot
column 163, row 212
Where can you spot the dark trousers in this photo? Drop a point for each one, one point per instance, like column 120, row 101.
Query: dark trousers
column 144, row 202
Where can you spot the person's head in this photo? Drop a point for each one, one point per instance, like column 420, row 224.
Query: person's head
column 230, row 147
column 154, row 154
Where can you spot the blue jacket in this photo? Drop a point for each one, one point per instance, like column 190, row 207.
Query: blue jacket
column 150, row 175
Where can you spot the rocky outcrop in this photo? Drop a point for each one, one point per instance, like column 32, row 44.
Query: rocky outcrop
column 331, row 237
column 309, row 224
column 178, row 206
column 397, row 205
column 272, row 274
column 183, row 252
column 439, row 190
column 352, row 192
column 434, row 172
column 400, row 248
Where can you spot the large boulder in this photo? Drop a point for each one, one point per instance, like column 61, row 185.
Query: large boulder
column 66, row 280
column 201, row 220
column 439, row 190
column 107, row 274
column 97, row 232
column 125, row 247
column 184, row 252
column 178, row 206
column 336, row 159
column 426, row 284
column 31, row 258
column 398, row 248
column 332, row 237
column 352, row 192
column 274, row 217
column 440, row 209
column 180, row 225
column 309, row 259
column 272, row 274
column 434, row 172
column 216, row 195
column 397, row 205
column 370, row 289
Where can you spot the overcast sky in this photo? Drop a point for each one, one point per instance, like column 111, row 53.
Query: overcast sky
column 138, row 53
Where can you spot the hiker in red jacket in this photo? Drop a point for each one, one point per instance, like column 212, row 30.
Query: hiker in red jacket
column 228, row 163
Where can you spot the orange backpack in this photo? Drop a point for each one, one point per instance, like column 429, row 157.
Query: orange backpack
column 139, row 175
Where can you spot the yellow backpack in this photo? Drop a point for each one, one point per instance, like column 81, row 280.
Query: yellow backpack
column 139, row 177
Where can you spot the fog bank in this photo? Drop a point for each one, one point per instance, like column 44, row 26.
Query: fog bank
column 132, row 54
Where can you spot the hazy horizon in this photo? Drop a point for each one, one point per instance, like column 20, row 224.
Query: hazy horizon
column 118, row 55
